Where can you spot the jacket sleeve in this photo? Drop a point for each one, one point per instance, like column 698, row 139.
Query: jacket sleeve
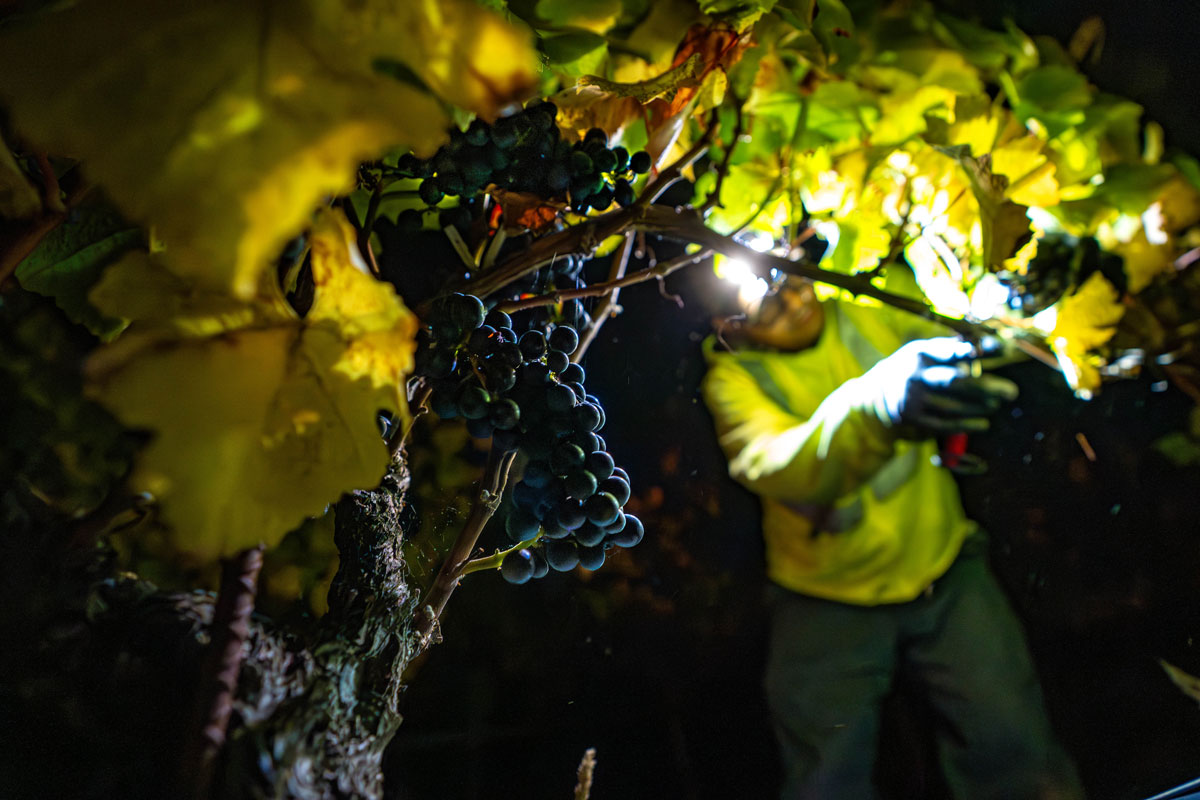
column 777, row 454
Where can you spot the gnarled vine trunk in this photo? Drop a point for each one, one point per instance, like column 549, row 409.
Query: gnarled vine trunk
column 100, row 673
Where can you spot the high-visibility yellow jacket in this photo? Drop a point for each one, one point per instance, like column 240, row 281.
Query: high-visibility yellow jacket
column 851, row 512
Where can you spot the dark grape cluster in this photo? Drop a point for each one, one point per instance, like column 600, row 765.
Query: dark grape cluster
column 526, row 394
column 525, row 152
column 1062, row 261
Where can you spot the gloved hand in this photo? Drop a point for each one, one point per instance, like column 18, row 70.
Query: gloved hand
column 935, row 386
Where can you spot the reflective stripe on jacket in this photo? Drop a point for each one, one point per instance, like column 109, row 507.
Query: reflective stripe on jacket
column 850, row 512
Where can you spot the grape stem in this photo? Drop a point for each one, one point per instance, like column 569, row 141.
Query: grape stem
column 400, row 435
column 714, row 197
column 487, row 500
column 609, row 304
column 497, row 558
column 658, row 271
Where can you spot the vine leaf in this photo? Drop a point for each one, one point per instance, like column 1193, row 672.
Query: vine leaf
column 249, row 113
column 260, row 426
column 1086, row 321
column 70, row 259
column 1004, row 223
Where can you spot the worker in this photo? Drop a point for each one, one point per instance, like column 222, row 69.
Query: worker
column 830, row 412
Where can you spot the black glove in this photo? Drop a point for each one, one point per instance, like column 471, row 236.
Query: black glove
column 936, row 386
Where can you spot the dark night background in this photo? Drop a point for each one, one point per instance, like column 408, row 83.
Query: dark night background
column 655, row 660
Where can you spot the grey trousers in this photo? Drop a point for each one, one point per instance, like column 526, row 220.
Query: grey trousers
column 831, row 664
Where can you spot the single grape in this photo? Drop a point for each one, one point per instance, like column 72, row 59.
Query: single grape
column 498, row 319
column 605, row 161
column 525, row 495
column 411, row 166
column 504, row 414
column 472, row 400
column 580, row 483
column 596, row 135
column 622, row 157
column 617, row 487
column 562, row 555
column 570, row 514
column 443, row 404
column 617, row 525
column 466, row 310
column 537, row 473
column 639, row 162
column 601, row 508
column 623, row 193
column 509, row 353
column 621, row 473
column 440, row 362
column 591, row 558
column 572, row 374
column 533, row 344
column 585, row 417
column 587, row 442
column 521, row 524
column 552, row 530
column 560, row 398
column 565, row 457
column 589, row 535
column 564, row 338
column 557, row 361
column 481, row 340
column 602, row 199
column 631, row 534
column 429, row 192
column 540, row 567
column 599, row 464
column 517, row 567
column 499, row 376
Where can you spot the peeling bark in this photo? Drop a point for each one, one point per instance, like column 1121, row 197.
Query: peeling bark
column 103, row 670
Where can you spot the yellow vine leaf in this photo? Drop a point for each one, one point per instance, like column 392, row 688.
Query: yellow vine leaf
column 1004, row 223
column 249, row 112
column 466, row 54
column 140, row 290
column 258, row 427
column 1145, row 261
column 1086, row 320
